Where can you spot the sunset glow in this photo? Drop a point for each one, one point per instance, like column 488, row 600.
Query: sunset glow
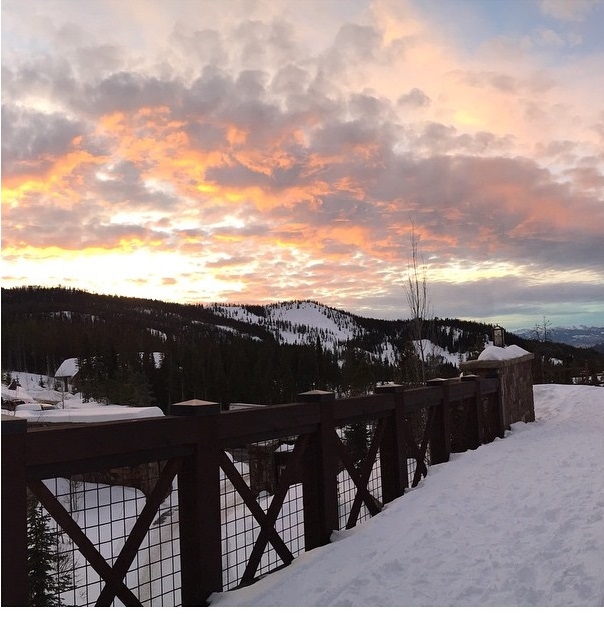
column 264, row 151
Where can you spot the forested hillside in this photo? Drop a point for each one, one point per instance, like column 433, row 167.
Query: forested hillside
column 138, row 352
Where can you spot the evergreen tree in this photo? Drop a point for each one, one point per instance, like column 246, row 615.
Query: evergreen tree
column 45, row 563
column 357, row 439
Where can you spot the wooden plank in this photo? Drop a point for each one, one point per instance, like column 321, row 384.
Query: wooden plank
column 422, row 398
column 238, row 428
column 15, row 592
column 199, row 520
column 320, row 490
column 267, row 530
column 393, row 449
column 363, row 407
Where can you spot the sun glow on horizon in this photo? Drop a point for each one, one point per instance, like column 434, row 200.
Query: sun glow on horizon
column 260, row 163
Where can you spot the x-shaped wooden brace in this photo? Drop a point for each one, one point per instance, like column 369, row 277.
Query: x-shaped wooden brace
column 360, row 477
column 113, row 576
column 420, row 452
column 266, row 520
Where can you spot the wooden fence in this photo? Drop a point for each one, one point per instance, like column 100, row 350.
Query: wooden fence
column 195, row 450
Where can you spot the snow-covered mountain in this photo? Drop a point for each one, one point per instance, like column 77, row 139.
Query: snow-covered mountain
column 581, row 336
column 241, row 352
column 309, row 322
column 299, row 322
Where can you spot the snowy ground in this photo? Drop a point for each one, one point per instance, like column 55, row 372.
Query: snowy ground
column 520, row 523
column 517, row 523
column 67, row 406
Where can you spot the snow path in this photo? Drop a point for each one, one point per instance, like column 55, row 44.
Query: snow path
column 519, row 522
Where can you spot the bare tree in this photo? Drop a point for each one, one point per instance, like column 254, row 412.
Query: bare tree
column 416, row 291
column 537, row 331
column 541, row 329
column 546, row 325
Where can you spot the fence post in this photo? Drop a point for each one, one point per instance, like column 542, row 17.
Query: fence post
column 199, row 508
column 393, row 451
column 320, row 488
column 500, row 406
column 15, row 590
column 440, row 439
column 474, row 434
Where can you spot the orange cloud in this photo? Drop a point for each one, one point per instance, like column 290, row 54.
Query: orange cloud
column 60, row 181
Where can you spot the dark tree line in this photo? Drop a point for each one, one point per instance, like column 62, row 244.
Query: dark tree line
column 142, row 352
column 138, row 352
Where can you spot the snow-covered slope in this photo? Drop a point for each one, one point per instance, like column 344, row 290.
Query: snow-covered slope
column 516, row 523
column 296, row 322
column 309, row 322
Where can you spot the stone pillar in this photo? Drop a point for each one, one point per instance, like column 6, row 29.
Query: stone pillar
column 516, row 379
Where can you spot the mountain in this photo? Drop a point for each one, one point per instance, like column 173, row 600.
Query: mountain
column 575, row 336
column 150, row 324
column 138, row 351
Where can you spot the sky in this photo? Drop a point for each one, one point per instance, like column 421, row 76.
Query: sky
column 254, row 151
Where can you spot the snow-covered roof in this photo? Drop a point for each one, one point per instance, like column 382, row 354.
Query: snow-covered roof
column 17, row 394
column 502, row 353
column 68, row 368
column 88, row 414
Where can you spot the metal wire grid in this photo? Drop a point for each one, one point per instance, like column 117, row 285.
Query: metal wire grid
column 357, row 438
column 106, row 515
column 240, row 528
column 416, row 424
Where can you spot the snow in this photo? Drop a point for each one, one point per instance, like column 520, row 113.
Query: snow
column 70, row 407
column 68, row 368
column 94, row 413
column 431, row 350
column 285, row 319
column 517, row 523
column 313, row 315
column 16, row 394
column 502, row 353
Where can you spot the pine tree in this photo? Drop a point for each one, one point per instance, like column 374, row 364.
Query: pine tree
column 46, row 578
column 357, row 440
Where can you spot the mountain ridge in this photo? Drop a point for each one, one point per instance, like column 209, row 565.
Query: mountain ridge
column 576, row 336
column 240, row 352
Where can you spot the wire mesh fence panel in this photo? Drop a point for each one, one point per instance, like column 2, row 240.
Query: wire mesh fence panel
column 347, row 492
column 416, row 424
column 357, row 438
column 106, row 514
column 245, row 506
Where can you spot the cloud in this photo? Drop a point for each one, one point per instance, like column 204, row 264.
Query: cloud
column 565, row 11
column 234, row 147
column 415, row 98
column 32, row 141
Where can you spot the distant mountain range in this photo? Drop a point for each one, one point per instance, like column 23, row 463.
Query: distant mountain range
column 575, row 336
